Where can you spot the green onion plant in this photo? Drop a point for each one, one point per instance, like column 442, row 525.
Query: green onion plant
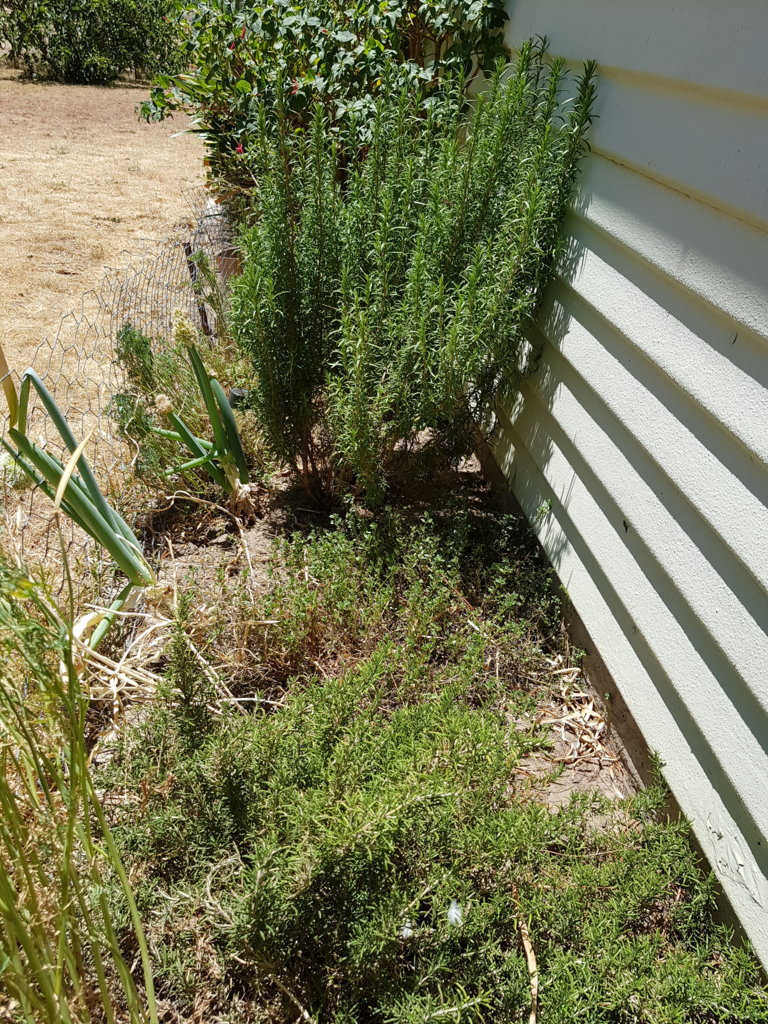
column 224, row 458
column 174, row 385
column 77, row 494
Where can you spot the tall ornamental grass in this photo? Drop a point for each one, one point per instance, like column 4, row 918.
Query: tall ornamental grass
column 60, row 951
column 386, row 295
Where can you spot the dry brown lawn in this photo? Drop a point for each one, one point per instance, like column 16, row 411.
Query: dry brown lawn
column 82, row 184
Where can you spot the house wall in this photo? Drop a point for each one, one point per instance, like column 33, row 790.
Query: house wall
column 646, row 424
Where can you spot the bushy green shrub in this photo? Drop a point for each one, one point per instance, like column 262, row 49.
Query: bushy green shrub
column 176, row 413
column 242, row 55
column 363, row 846
column 20, row 21
column 92, row 41
column 392, row 299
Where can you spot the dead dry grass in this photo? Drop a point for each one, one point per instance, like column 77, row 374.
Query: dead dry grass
column 82, row 183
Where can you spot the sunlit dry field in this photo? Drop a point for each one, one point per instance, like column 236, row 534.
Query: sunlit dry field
column 83, row 184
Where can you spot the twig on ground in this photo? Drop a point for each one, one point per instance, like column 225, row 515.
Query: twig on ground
column 212, row 675
column 530, row 958
column 578, row 715
column 304, row 1014
column 453, row 1010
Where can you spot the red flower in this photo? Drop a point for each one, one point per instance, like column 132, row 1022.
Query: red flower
column 295, row 86
column 239, row 148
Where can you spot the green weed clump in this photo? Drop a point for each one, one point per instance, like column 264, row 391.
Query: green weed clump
column 391, row 299
column 362, row 844
column 152, row 371
column 176, row 414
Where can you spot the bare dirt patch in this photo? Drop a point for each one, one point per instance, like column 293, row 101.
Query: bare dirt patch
column 82, row 184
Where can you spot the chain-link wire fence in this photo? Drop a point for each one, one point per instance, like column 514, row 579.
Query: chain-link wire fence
column 79, row 366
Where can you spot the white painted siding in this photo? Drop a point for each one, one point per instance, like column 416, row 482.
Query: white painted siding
column 646, row 424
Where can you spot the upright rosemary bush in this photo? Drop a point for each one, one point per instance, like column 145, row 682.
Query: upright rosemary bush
column 391, row 298
column 285, row 306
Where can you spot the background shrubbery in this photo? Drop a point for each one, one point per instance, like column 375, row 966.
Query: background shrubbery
column 244, row 56
column 91, row 41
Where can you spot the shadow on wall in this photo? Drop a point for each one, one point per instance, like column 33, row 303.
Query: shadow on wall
column 677, row 708
column 503, row 440
column 525, row 439
column 724, row 561
column 745, row 587
column 734, row 342
column 569, row 536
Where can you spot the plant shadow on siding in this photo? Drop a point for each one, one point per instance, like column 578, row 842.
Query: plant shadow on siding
column 531, row 456
column 533, row 371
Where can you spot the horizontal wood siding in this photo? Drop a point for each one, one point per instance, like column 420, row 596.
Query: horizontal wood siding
column 646, row 424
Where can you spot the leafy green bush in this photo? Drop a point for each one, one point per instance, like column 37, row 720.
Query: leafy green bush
column 393, row 300
column 177, row 414
column 242, row 55
column 91, row 41
column 20, row 21
column 363, row 845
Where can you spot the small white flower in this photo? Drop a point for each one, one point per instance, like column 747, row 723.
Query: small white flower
column 184, row 332
column 455, row 914
column 163, row 405
column 407, row 930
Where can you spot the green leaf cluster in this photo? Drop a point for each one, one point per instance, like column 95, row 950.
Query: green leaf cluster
column 242, row 55
column 389, row 301
column 170, row 383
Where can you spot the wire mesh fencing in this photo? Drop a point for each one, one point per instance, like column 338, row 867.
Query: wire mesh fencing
column 79, row 366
